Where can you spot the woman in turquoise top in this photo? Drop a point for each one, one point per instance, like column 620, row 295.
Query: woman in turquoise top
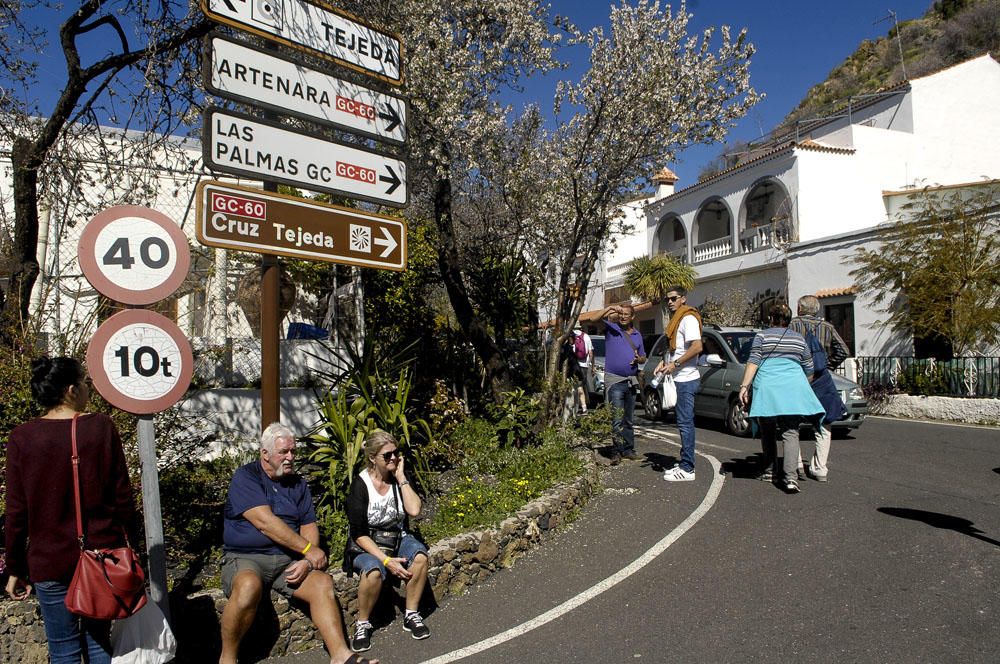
column 780, row 367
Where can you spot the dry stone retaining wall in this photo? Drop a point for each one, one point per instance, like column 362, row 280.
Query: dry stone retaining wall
column 455, row 564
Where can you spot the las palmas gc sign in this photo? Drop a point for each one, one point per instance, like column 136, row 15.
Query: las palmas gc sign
column 254, row 148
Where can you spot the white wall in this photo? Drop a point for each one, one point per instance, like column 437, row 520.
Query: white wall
column 822, row 265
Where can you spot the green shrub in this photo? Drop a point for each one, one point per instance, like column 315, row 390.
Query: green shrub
column 495, row 482
column 516, row 416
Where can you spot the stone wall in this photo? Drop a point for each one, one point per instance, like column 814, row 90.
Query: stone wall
column 455, row 564
column 951, row 409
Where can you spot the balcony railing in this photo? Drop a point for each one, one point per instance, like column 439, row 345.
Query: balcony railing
column 759, row 237
column 706, row 251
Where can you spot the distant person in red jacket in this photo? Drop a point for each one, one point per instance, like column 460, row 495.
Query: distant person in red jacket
column 41, row 513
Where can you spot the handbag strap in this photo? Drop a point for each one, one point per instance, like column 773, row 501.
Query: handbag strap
column 76, row 481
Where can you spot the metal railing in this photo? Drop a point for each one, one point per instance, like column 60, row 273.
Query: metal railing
column 959, row 377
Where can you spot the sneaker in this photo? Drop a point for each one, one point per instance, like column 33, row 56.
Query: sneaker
column 678, row 474
column 818, row 478
column 632, row 455
column 362, row 640
column 791, row 486
column 766, row 476
column 414, row 624
column 802, row 475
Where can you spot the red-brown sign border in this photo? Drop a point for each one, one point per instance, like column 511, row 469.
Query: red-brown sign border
column 107, row 389
column 87, row 254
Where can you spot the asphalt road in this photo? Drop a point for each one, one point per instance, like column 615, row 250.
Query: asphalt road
column 896, row 559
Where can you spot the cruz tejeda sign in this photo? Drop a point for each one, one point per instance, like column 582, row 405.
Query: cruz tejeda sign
column 243, row 145
column 234, row 217
column 316, row 28
column 250, row 75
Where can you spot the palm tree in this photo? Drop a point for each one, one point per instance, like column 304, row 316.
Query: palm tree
column 651, row 278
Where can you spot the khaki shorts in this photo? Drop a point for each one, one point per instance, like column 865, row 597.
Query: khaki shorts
column 270, row 568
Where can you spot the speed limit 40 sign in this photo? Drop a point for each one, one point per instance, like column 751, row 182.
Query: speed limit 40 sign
column 133, row 254
column 140, row 361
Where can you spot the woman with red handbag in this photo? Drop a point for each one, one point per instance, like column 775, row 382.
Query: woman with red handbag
column 41, row 535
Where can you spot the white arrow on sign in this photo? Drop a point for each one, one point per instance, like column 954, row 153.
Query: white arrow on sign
column 320, row 30
column 247, row 74
column 386, row 241
column 247, row 146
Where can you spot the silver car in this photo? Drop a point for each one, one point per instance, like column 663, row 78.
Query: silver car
column 725, row 352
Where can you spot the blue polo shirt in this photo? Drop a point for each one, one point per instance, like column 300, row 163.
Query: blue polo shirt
column 288, row 498
column 618, row 353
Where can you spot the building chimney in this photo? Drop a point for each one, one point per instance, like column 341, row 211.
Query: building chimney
column 664, row 181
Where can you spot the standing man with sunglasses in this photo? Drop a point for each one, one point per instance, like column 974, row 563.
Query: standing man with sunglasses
column 271, row 541
column 684, row 333
column 623, row 354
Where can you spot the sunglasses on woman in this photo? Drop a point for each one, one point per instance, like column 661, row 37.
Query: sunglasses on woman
column 388, row 455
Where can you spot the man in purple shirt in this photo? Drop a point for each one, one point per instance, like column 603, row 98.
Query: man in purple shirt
column 622, row 356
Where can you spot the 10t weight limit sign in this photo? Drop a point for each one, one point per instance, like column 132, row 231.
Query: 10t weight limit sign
column 140, row 361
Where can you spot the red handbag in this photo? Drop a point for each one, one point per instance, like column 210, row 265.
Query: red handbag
column 108, row 584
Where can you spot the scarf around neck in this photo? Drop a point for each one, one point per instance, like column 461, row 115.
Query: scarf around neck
column 675, row 322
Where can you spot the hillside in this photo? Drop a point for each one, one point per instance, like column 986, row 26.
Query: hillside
column 950, row 32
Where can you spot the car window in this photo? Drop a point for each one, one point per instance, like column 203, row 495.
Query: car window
column 740, row 343
column 598, row 346
column 659, row 348
column 711, row 345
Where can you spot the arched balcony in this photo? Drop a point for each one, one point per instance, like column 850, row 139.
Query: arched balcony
column 713, row 230
column 671, row 238
column 765, row 216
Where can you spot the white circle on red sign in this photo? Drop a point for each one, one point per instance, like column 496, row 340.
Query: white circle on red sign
column 133, row 254
column 140, row 361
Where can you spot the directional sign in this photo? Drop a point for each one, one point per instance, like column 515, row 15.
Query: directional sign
column 242, row 145
column 133, row 254
column 234, row 217
column 140, row 361
column 315, row 28
column 238, row 71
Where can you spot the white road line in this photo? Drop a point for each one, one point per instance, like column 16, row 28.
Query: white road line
column 706, row 504
column 653, row 433
column 967, row 425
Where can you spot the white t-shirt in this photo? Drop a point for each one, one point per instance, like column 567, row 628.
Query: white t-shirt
column 687, row 333
column 384, row 510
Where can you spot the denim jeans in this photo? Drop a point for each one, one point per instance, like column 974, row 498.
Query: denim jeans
column 684, row 410
column 622, row 400
column 63, row 629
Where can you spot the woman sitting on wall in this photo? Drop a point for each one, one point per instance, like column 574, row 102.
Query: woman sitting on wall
column 380, row 501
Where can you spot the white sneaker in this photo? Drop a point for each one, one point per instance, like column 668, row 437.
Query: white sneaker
column 678, row 474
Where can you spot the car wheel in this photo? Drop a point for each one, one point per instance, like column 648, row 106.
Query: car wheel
column 654, row 407
column 737, row 422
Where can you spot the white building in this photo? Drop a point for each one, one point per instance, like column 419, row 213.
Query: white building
column 781, row 223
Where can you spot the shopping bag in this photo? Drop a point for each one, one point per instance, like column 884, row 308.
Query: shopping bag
column 143, row 638
column 669, row 392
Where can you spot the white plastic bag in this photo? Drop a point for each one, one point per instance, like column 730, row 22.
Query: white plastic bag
column 669, row 392
column 143, row 638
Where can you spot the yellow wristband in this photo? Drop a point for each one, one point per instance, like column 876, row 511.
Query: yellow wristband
column 309, row 545
column 385, row 563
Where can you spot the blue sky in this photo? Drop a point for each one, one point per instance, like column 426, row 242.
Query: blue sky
column 798, row 43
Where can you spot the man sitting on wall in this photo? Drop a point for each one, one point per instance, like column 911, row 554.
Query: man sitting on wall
column 271, row 541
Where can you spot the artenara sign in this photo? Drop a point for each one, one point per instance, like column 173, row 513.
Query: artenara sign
column 247, row 146
column 241, row 72
column 318, row 29
column 234, row 217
